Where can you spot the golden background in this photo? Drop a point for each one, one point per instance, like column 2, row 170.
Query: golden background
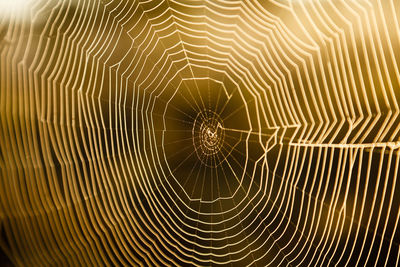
column 176, row 132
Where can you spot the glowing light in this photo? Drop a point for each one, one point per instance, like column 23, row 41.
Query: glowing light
column 18, row 9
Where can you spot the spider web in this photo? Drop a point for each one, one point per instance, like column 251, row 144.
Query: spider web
column 200, row 133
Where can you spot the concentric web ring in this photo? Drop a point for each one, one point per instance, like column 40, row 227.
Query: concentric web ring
column 172, row 132
column 208, row 137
